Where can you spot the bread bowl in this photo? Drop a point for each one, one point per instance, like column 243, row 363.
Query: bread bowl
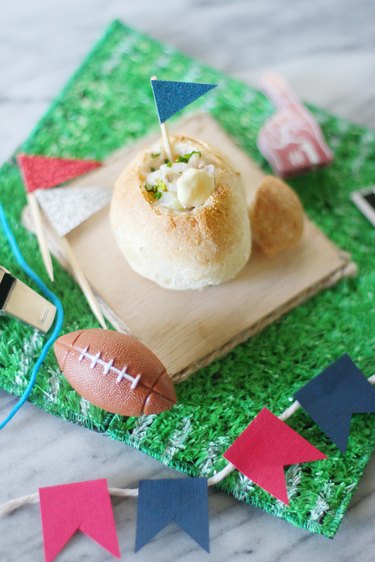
column 182, row 224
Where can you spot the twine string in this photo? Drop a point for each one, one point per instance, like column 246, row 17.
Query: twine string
column 14, row 504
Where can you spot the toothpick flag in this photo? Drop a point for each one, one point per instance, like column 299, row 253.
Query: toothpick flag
column 42, row 172
column 68, row 207
column 84, row 506
column 332, row 397
column 265, row 447
column 182, row 500
column 171, row 97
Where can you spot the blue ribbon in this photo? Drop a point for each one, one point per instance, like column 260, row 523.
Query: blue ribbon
column 50, row 296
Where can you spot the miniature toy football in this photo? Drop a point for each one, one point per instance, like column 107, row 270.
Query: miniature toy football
column 115, row 372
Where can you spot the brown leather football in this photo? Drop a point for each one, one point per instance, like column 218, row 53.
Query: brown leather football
column 115, row 372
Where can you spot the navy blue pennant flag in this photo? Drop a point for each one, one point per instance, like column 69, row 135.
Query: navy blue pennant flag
column 182, row 500
column 171, row 96
column 333, row 396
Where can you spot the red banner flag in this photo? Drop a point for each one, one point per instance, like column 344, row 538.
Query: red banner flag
column 265, row 447
column 84, row 506
column 41, row 172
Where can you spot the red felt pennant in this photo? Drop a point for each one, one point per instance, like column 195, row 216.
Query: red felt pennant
column 42, row 172
column 84, row 506
column 265, row 447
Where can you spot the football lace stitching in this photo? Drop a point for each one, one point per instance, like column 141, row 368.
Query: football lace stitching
column 108, row 367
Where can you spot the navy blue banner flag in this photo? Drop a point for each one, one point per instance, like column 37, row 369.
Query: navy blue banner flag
column 182, row 500
column 171, row 96
column 333, row 396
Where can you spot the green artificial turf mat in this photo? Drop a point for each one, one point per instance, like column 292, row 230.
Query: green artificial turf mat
column 107, row 103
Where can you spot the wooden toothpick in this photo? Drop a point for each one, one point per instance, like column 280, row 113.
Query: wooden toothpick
column 82, row 281
column 166, row 141
column 165, row 136
column 40, row 234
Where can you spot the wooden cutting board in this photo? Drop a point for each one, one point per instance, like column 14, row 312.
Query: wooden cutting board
column 189, row 329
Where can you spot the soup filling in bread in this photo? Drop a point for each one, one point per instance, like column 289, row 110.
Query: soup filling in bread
column 182, row 222
column 183, row 184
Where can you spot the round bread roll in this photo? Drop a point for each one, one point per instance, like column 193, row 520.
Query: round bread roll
column 185, row 224
column 276, row 216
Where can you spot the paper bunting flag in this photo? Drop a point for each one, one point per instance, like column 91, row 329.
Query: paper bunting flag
column 265, row 447
column 182, row 500
column 171, row 96
column 333, row 396
column 84, row 506
column 42, row 172
column 68, row 207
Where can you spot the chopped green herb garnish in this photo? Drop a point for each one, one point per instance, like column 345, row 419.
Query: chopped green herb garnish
column 166, row 161
column 161, row 186
column 169, row 165
column 156, row 190
column 186, row 157
column 155, row 154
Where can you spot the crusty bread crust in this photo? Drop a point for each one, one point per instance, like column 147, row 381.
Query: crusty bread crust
column 182, row 250
column 276, row 216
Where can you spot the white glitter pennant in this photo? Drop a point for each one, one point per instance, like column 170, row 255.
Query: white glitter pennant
column 68, row 207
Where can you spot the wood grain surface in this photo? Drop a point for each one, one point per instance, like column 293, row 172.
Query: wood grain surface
column 189, row 329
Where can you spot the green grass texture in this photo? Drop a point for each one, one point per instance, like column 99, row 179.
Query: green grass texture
column 108, row 103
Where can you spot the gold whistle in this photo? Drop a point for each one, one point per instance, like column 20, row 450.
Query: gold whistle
column 22, row 302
